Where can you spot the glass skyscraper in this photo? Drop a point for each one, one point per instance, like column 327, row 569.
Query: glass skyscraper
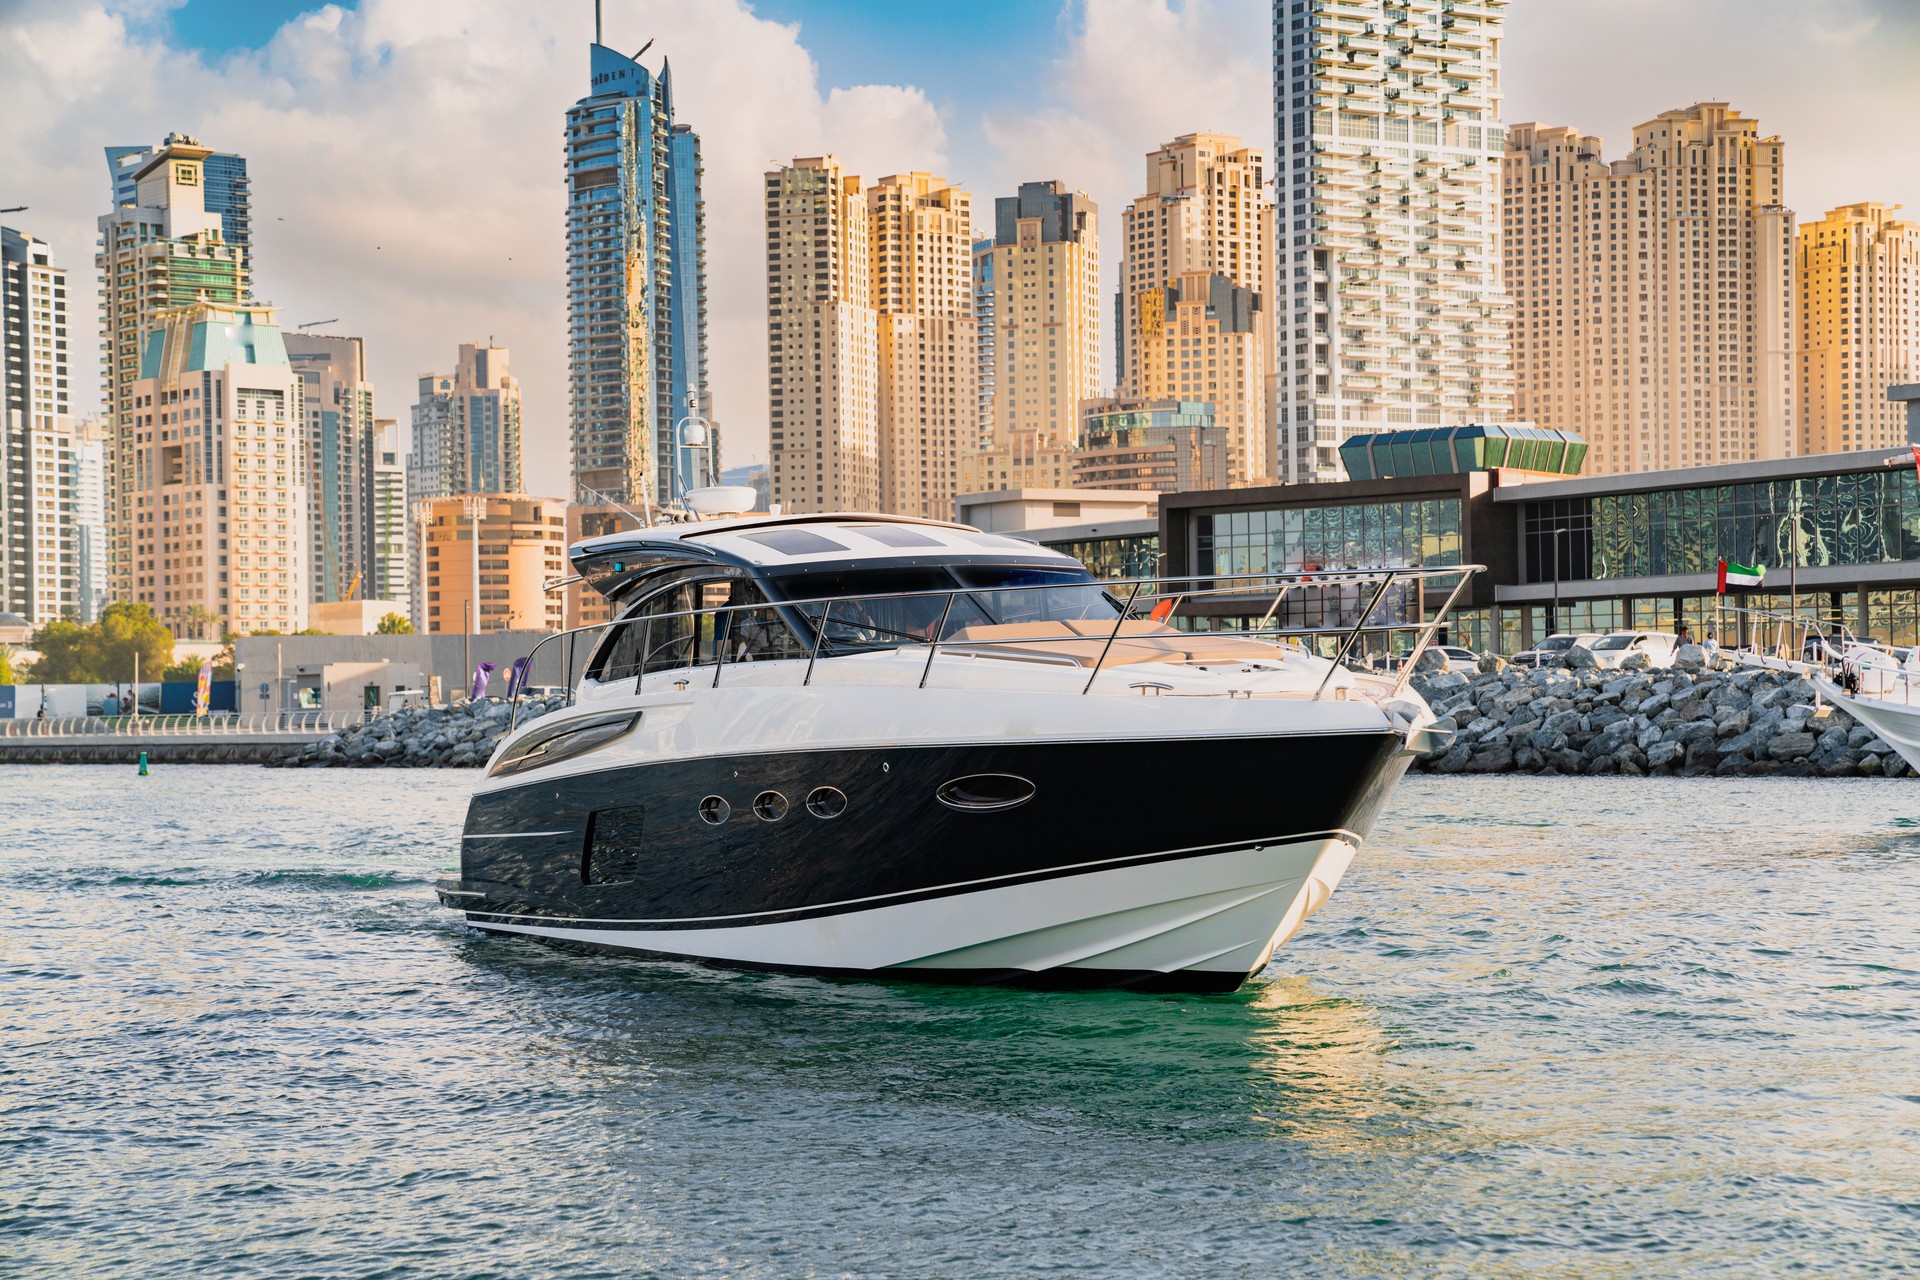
column 636, row 282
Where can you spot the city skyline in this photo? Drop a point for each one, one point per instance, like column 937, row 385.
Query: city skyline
column 328, row 86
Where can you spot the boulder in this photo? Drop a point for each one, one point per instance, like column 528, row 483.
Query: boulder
column 1791, row 746
column 1635, row 662
column 1689, row 657
column 1577, row 658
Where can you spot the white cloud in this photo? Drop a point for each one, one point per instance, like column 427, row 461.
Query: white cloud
column 407, row 171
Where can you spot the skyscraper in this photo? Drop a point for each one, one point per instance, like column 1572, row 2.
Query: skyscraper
column 822, row 341
column 215, row 459
column 1653, row 307
column 466, row 428
column 1194, row 326
column 1390, row 307
column 987, row 353
column 636, row 280
column 392, row 573
column 1044, row 277
column 163, row 251
column 920, row 237
column 338, row 402
column 39, row 534
column 227, row 190
column 1859, row 273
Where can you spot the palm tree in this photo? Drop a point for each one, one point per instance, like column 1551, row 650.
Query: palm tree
column 197, row 619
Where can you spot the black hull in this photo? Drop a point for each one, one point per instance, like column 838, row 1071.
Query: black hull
column 628, row 845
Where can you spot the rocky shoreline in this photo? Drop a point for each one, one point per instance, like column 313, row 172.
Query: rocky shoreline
column 1702, row 717
column 460, row 736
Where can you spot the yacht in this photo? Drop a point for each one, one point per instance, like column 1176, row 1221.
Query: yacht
column 868, row 745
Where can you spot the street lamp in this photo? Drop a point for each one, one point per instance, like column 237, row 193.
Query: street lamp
column 1553, row 623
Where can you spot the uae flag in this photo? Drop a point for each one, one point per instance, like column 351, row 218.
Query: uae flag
column 1740, row 577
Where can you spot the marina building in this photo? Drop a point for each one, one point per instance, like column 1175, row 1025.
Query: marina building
column 636, row 280
column 1653, row 298
column 1859, row 282
column 1193, row 306
column 1838, row 536
column 1168, row 446
column 215, row 462
column 163, row 250
column 920, row 242
column 337, row 400
column 392, row 575
column 226, row 189
column 1391, row 312
column 823, row 391
column 506, row 546
column 466, row 427
column 1041, row 356
column 40, row 529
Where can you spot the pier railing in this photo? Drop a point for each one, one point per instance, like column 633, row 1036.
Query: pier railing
column 1809, row 645
column 799, row 629
column 316, row 723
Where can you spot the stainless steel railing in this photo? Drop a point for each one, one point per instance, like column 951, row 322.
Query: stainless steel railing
column 1168, row 596
column 182, row 726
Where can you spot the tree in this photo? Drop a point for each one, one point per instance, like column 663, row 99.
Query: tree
column 393, row 624
column 103, row 652
column 6, row 666
column 188, row 668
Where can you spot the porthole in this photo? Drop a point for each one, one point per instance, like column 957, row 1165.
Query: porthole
column 769, row 806
column 714, row 810
column 826, row 802
column 983, row 792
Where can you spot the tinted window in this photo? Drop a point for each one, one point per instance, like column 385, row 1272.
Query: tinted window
column 1612, row 642
column 793, row 542
column 893, row 535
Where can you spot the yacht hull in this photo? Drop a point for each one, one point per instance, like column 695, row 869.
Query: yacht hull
column 1170, row 864
column 1897, row 723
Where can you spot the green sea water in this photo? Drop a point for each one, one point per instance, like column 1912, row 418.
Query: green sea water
column 1547, row 1027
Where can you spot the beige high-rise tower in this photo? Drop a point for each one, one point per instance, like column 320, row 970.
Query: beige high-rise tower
column 1193, row 286
column 1044, row 305
column 822, row 341
column 920, row 237
column 1653, row 307
column 1859, row 327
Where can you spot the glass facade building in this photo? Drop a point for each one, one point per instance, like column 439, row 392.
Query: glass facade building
column 224, row 187
column 636, row 280
column 1433, row 451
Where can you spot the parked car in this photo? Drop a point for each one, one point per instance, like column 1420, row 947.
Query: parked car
column 1616, row 647
column 1463, row 661
column 1550, row 652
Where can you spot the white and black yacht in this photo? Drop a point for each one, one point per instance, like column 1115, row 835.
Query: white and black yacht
column 869, row 745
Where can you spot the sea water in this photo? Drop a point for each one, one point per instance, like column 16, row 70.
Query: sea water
column 1547, row 1027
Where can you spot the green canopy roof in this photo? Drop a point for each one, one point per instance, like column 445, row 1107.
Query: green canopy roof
column 1435, row 451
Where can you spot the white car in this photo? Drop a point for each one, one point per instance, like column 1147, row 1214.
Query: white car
column 1460, row 661
column 1550, row 651
column 1616, row 647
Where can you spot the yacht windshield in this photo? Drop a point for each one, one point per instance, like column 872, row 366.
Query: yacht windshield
column 874, row 608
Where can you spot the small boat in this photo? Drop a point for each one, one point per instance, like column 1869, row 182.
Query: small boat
column 884, row 747
column 1875, row 685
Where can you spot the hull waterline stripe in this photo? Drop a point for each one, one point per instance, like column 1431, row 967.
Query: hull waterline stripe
column 516, row 835
column 934, row 890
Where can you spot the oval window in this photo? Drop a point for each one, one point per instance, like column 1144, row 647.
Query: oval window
column 985, row 791
column 826, row 802
column 769, row 806
column 714, row 810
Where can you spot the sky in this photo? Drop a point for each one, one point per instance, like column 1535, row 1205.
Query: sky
column 406, row 154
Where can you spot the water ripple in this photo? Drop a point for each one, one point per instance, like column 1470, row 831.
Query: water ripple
column 1548, row 1027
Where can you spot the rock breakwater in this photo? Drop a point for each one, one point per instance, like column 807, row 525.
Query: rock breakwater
column 1696, row 719
column 460, row 736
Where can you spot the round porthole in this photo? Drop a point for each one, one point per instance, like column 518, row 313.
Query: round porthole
column 714, row 810
column 983, row 792
column 826, row 802
column 769, row 806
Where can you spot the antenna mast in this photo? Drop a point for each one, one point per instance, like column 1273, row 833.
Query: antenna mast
column 596, row 22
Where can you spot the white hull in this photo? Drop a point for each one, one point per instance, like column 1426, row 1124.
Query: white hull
column 1206, row 920
column 1897, row 723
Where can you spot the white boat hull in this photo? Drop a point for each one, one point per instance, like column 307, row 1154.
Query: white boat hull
column 1897, row 723
column 1200, row 921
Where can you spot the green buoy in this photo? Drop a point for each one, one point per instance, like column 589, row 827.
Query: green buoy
column 143, row 764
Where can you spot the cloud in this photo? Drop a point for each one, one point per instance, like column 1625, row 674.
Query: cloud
column 407, row 172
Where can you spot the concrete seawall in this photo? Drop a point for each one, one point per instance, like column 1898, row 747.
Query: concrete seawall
column 1691, row 721
column 100, row 749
